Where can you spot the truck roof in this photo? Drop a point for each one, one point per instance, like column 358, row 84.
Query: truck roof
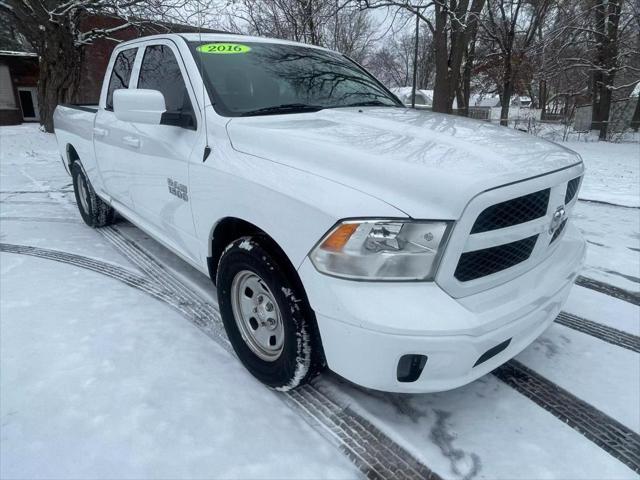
column 217, row 37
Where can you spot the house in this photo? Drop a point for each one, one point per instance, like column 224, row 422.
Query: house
column 18, row 87
column 424, row 98
column 484, row 101
column 19, row 69
column 521, row 101
column 621, row 114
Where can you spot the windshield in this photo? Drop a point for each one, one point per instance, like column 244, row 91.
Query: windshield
column 252, row 78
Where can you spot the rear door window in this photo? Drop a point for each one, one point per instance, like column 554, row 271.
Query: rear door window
column 121, row 74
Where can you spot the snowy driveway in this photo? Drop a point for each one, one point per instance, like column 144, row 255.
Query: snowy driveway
column 111, row 368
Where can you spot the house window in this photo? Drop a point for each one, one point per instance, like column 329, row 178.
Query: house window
column 7, row 98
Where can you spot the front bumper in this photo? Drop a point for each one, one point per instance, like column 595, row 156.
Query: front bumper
column 366, row 327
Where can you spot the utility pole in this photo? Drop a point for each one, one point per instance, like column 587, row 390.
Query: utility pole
column 415, row 59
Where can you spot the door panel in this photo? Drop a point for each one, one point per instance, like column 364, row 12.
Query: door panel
column 160, row 189
column 114, row 157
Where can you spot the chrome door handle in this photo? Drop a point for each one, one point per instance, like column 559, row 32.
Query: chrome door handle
column 131, row 141
column 99, row 132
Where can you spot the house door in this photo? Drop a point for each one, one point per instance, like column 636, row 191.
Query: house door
column 29, row 103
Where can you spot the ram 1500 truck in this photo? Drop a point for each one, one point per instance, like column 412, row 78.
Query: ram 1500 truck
column 406, row 250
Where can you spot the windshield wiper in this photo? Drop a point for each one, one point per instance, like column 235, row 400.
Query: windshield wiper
column 369, row 103
column 285, row 108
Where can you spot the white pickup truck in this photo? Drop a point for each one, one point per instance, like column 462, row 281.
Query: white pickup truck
column 406, row 250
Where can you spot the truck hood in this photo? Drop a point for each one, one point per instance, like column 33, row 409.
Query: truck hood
column 425, row 164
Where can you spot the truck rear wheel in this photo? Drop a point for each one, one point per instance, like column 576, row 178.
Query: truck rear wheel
column 267, row 320
column 93, row 210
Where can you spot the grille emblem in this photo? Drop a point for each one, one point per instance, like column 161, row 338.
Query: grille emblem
column 558, row 217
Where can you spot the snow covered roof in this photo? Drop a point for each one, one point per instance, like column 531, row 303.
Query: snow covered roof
column 484, row 101
column 404, row 94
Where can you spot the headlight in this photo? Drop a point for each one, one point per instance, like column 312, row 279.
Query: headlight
column 381, row 249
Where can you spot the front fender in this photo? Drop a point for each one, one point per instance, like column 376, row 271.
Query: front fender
column 294, row 207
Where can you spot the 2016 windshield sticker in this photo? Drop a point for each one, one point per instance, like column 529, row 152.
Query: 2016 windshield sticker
column 224, row 48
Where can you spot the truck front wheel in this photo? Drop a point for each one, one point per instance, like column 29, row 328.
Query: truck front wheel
column 268, row 322
column 93, row 210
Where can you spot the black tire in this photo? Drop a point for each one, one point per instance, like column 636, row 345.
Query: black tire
column 300, row 358
column 94, row 211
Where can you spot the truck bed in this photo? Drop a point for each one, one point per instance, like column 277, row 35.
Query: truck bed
column 73, row 125
column 86, row 108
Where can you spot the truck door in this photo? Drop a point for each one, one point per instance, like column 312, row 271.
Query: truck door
column 113, row 155
column 160, row 191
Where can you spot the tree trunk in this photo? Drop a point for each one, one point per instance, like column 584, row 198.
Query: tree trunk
column 466, row 81
column 605, row 110
column 441, row 84
column 507, row 91
column 635, row 120
column 607, row 20
column 466, row 72
column 59, row 75
column 542, row 98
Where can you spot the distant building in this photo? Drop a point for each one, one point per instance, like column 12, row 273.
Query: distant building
column 19, row 69
column 484, row 101
column 424, row 98
column 18, row 87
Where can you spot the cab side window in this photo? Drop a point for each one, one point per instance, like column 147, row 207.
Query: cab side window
column 160, row 71
column 121, row 74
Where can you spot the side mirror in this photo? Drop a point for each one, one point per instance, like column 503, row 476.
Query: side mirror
column 139, row 105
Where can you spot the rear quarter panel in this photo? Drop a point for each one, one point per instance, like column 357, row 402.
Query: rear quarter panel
column 74, row 128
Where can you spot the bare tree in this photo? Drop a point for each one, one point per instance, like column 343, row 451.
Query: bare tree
column 452, row 24
column 593, row 54
column 54, row 30
column 353, row 34
column 510, row 28
column 298, row 20
column 606, row 23
column 393, row 61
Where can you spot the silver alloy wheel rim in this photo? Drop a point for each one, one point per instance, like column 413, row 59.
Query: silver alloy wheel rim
column 257, row 315
column 83, row 194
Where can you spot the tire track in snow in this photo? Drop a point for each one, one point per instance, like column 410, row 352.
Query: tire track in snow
column 608, row 204
column 24, row 192
column 603, row 332
column 607, row 433
column 372, row 451
column 203, row 314
column 116, row 272
column 375, row 454
column 7, row 218
column 607, row 289
column 610, row 435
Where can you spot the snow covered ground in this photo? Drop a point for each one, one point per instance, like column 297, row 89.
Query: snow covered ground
column 99, row 379
column 613, row 171
column 613, row 233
